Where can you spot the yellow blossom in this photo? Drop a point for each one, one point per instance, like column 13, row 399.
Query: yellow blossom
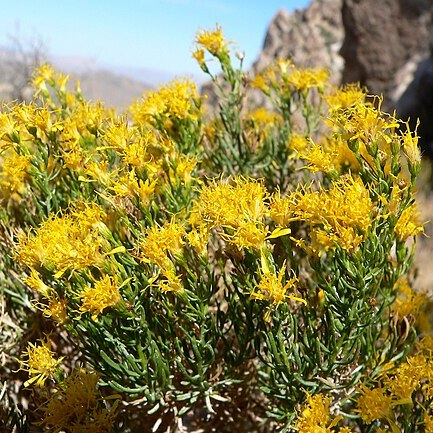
column 305, row 79
column 428, row 423
column 410, row 147
column 177, row 100
column 104, row 293
column 77, row 407
column 40, row 363
column 35, row 282
column 373, row 404
column 65, row 242
column 183, row 166
column 297, row 142
column 318, row 159
column 198, row 55
column 403, row 382
column 408, row 301
column 13, row 173
column 272, row 289
column 171, row 282
column 259, row 82
column 56, row 309
column 408, row 224
column 159, row 241
column 198, row 238
column 315, row 417
column 330, row 213
column 345, row 97
column 213, row 41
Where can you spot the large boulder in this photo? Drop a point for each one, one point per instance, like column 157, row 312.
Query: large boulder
column 384, row 42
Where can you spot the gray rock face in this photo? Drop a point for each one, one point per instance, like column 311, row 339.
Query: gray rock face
column 311, row 37
column 382, row 38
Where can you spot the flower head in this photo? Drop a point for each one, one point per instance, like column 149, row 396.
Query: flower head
column 272, row 289
column 104, row 294
column 213, row 41
column 373, row 404
column 40, row 363
column 315, row 416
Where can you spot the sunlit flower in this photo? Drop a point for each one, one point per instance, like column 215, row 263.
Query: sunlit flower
column 408, row 224
column 40, row 363
column 373, row 404
column 271, row 288
column 103, row 294
column 315, row 417
column 161, row 241
column 65, row 242
column 213, row 41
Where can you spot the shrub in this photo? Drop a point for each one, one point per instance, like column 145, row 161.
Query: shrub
column 246, row 271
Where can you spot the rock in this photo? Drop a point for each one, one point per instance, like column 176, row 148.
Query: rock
column 381, row 39
column 311, row 38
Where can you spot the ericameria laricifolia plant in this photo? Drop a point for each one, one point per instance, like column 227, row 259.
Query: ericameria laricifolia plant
column 248, row 270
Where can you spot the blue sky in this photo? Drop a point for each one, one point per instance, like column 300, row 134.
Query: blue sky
column 155, row 34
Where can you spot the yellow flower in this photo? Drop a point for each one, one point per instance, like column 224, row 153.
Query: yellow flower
column 330, row 213
column 177, row 100
column 160, row 241
column 213, row 41
column 65, row 242
column 373, row 404
column 272, row 289
column 198, row 55
column 410, row 147
column 13, row 173
column 56, row 309
column 77, row 406
column 198, row 238
column 318, row 159
column 345, row 97
column 297, row 142
column 105, row 293
column 40, row 363
column 305, row 79
column 408, row 224
column 183, row 166
column 35, row 282
column 259, row 82
column 428, row 423
column 315, row 417
column 171, row 282
column 404, row 381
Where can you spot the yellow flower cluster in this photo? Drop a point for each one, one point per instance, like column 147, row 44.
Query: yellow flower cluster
column 272, row 289
column 78, row 407
column 285, row 77
column 239, row 209
column 333, row 219
column 176, row 101
column 67, row 242
column 315, row 417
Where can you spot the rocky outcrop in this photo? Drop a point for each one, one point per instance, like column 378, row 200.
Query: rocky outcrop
column 311, row 37
column 382, row 40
